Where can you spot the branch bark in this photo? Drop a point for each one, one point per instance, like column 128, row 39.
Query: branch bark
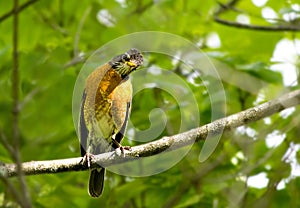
column 164, row 144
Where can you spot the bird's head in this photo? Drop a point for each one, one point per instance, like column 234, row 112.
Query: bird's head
column 125, row 63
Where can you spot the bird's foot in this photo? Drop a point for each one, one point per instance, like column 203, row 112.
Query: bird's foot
column 86, row 159
column 120, row 147
column 121, row 150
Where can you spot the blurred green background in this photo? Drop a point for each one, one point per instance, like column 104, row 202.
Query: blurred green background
column 253, row 166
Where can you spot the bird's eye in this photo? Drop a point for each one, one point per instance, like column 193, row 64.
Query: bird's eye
column 125, row 57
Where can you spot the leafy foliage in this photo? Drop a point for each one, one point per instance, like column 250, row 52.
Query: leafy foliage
column 54, row 35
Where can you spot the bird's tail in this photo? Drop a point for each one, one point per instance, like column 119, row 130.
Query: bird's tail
column 96, row 182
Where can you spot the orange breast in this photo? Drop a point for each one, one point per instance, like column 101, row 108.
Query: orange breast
column 100, row 87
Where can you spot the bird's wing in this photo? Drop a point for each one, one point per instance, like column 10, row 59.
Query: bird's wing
column 121, row 105
column 83, row 131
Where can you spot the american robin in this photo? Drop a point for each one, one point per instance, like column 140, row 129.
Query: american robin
column 105, row 109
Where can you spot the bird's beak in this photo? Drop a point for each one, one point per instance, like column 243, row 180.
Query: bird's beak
column 131, row 64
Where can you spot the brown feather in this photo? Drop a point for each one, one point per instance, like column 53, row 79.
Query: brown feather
column 105, row 111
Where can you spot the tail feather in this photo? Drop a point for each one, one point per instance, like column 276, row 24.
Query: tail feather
column 96, row 182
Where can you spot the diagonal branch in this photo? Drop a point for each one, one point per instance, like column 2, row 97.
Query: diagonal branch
column 223, row 8
column 164, row 144
column 19, row 9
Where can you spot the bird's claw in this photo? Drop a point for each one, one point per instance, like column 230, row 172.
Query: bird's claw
column 121, row 150
column 86, row 159
column 120, row 147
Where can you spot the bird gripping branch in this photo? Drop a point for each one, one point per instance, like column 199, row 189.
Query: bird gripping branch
column 105, row 109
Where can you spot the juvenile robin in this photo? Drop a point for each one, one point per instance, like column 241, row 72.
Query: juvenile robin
column 105, row 109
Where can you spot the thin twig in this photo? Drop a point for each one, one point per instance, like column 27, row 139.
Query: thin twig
column 79, row 29
column 230, row 6
column 28, row 97
column 15, row 95
column 75, row 60
column 164, row 144
column 80, row 58
column 257, row 27
column 19, row 9
column 15, row 76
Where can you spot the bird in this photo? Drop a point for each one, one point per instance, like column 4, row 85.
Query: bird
column 104, row 111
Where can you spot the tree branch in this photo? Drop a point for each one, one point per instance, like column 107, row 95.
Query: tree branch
column 25, row 202
column 257, row 27
column 230, row 6
column 164, row 144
